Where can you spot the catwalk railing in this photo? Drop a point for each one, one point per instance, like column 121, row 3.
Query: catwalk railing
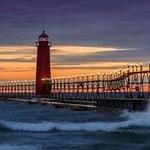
column 22, row 88
column 133, row 82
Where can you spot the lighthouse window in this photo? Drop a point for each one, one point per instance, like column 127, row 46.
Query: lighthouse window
column 43, row 39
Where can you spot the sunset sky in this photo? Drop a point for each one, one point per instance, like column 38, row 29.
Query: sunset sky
column 88, row 36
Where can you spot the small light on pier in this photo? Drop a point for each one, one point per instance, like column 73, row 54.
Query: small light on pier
column 141, row 67
column 43, row 79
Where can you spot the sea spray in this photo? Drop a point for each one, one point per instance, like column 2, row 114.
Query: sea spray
column 132, row 119
column 135, row 119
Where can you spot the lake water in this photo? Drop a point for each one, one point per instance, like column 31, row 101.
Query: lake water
column 36, row 127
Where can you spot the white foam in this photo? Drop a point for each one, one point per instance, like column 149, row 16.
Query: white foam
column 20, row 147
column 140, row 119
column 134, row 120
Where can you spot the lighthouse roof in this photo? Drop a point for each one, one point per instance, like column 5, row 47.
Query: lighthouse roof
column 43, row 34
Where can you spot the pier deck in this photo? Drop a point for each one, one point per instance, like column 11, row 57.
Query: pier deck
column 102, row 105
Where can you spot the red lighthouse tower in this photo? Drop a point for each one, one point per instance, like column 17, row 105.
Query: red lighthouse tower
column 43, row 64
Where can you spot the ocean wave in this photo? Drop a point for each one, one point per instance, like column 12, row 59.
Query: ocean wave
column 135, row 119
column 15, row 147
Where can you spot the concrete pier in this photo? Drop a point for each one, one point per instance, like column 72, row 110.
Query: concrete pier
column 129, row 104
column 101, row 105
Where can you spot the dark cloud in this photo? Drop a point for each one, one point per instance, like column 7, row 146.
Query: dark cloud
column 19, row 60
column 58, row 58
column 119, row 23
column 2, row 52
column 139, row 55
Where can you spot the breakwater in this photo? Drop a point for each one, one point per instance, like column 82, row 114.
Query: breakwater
column 101, row 105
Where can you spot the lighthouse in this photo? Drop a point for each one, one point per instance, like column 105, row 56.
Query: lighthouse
column 43, row 69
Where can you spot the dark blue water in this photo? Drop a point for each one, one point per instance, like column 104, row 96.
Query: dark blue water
column 36, row 127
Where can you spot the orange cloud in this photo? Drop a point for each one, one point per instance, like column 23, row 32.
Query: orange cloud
column 18, row 62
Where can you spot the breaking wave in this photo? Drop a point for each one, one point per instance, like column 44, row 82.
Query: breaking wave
column 133, row 119
column 136, row 119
